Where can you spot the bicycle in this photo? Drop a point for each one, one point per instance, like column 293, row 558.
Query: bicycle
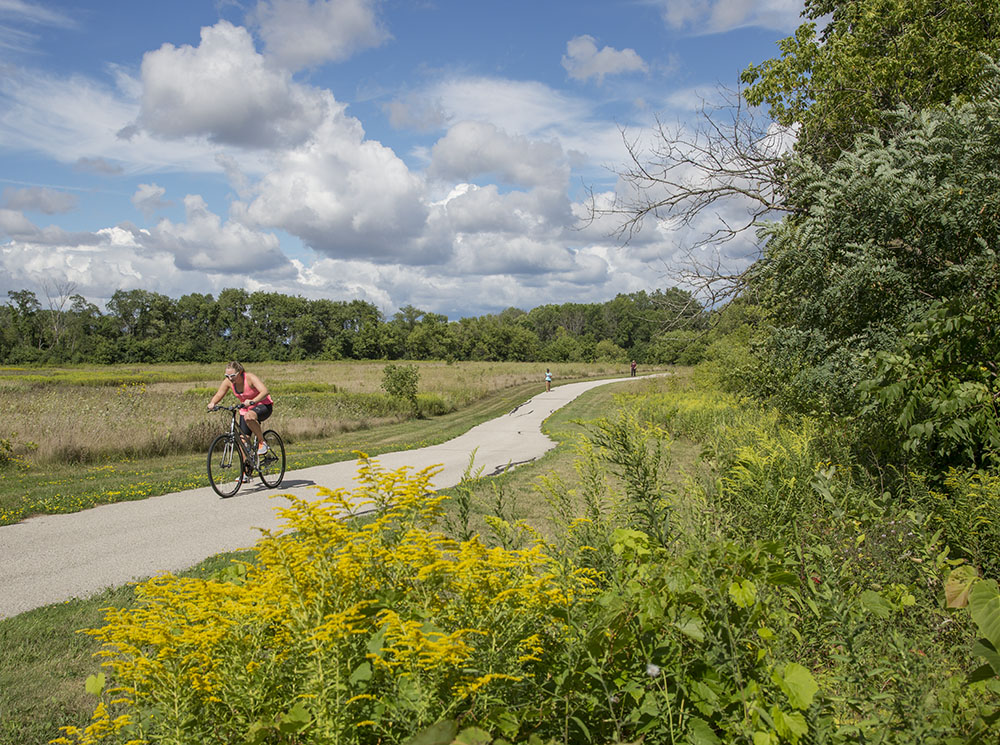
column 232, row 457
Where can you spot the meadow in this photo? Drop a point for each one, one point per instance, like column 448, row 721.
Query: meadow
column 684, row 568
column 79, row 436
column 85, row 414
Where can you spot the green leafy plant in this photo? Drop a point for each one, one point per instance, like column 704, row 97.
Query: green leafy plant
column 401, row 381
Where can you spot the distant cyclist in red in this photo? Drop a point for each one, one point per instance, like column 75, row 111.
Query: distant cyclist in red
column 252, row 393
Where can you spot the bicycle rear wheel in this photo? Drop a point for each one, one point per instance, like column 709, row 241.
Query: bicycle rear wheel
column 272, row 463
column 225, row 466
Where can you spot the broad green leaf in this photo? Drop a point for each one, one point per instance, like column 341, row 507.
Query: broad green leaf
column 376, row 642
column 362, row 672
column 799, row 685
column 473, row 736
column 258, row 732
column 699, row 733
column 783, row 578
column 958, row 584
column 764, row 738
column 95, row 684
column 744, row 593
column 981, row 673
column 692, row 628
column 297, row 718
column 984, row 604
column 439, row 733
column 790, row 727
column 875, row 604
column 991, row 656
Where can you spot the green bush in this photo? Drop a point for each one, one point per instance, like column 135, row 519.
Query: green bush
column 401, row 381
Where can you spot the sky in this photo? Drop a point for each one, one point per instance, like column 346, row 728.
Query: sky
column 433, row 153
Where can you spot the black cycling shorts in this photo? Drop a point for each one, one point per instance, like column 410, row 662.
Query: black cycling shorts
column 263, row 411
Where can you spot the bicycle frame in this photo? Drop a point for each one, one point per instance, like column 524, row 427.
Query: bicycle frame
column 238, row 439
column 222, row 456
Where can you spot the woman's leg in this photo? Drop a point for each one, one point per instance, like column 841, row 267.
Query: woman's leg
column 251, row 419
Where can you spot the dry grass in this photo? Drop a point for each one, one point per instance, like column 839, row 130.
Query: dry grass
column 88, row 414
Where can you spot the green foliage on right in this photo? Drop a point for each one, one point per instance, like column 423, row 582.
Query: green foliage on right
column 885, row 272
column 873, row 56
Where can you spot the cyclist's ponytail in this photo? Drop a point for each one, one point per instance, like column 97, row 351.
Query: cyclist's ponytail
column 235, row 366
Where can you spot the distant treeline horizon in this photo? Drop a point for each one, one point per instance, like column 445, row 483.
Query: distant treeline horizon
column 661, row 327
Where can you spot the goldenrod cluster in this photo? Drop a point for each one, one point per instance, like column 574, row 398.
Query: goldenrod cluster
column 341, row 630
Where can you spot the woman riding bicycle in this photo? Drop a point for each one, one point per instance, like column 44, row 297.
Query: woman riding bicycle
column 252, row 393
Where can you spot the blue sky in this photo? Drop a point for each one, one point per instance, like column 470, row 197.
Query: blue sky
column 432, row 153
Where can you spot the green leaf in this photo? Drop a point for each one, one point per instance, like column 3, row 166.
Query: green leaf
column 958, row 584
column 473, row 736
column 376, row 642
column 984, row 604
column 583, row 728
column 744, row 594
column 875, row 604
column 362, row 673
column 691, row 628
column 700, row 733
column 258, row 732
column 95, row 684
column 439, row 733
column 790, row 727
column 981, row 673
column 783, row 578
column 297, row 718
column 987, row 652
column 799, row 685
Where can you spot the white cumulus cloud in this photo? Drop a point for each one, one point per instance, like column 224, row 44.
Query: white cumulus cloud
column 303, row 33
column 583, row 60
column 224, row 90
column 205, row 243
column 472, row 149
column 717, row 16
column 345, row 196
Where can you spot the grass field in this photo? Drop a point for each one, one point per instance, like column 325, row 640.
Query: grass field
column 85, row 436
column 44, row 662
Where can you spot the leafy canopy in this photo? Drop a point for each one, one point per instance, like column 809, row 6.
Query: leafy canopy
column 890, row 226
column 872, row 56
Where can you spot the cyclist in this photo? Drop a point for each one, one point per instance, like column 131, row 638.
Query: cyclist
column 252, row 393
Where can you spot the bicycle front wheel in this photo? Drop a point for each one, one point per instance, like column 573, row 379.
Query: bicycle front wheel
column 225, row 466
column 272, row 463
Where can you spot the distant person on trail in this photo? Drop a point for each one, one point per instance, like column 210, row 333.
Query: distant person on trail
column 548, row 380
column 633, row 368
column 252, row 393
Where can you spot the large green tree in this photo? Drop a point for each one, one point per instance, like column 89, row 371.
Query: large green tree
column 892, row 228
column 870, row 57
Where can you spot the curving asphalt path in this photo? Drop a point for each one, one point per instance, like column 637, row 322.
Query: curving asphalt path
column 52, row 558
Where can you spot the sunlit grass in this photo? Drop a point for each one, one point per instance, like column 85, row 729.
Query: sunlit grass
column 101, row 444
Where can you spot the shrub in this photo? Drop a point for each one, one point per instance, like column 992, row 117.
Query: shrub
column 340, row 632
column 401, row 381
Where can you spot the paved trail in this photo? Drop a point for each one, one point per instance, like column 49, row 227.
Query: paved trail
column 52, row 558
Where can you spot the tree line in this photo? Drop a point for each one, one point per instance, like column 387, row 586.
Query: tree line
column 139, row 326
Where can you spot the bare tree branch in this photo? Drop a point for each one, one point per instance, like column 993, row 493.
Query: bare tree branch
column 732, row 160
